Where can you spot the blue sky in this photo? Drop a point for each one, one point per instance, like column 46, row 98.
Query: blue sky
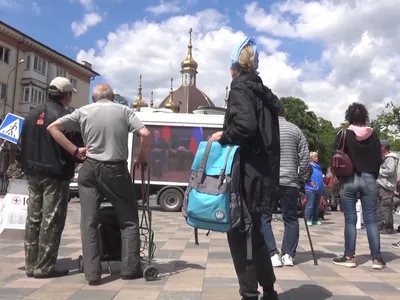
column 308, row 48
column 50, row 21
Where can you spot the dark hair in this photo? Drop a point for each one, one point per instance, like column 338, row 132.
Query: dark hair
column 357, row 114
column 54, row 94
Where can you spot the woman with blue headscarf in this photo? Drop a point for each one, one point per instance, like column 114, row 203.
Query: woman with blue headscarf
column 251, row 121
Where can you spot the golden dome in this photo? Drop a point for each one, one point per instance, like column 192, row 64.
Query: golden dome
column 139, row 102
column 170, row 104
column 189, row 64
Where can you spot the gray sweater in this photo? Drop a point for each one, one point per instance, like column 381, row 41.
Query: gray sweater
column 294, row 154
column 387, row 177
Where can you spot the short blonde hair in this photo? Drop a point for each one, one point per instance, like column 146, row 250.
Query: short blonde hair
column 246, row 60
column 313, row 154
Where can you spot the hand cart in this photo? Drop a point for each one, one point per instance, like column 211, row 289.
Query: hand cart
column 147, row 246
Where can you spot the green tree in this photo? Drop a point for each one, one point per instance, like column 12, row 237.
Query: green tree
column 326, row 136
column 120, row 99
column 387, row 125
column 297, row 112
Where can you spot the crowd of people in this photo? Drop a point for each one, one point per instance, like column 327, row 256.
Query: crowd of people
column 275, row 164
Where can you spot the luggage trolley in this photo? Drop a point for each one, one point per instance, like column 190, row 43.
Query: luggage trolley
column 147, row 246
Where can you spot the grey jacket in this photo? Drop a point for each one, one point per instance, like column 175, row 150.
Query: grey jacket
column 387, row 177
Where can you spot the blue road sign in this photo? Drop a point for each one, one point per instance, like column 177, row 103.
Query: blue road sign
column 11, row 128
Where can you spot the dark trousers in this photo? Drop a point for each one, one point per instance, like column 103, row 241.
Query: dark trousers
column 259, row 270
column 113, row 181
column 47, row 211
column 385, row 208
column 288, row 198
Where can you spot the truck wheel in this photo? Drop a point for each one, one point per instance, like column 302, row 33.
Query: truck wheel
column 171, row 199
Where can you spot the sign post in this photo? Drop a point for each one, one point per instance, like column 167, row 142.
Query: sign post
column 13, row 208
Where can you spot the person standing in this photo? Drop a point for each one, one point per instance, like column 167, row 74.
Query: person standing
column 251, row 121
column 314, row 190
column 294, row 164
column 361, row 144
column 49, row 169
column 105, row 126
column 387, row 184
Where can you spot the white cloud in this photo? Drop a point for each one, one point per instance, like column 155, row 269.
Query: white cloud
column 165, row 7
column 89, row 20
column 36, row 8
column 360, row 61
column 87, row 4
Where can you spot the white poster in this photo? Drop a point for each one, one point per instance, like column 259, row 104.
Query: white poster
column 13, row 209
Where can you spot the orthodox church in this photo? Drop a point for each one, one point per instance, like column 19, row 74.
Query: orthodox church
column 188, row 97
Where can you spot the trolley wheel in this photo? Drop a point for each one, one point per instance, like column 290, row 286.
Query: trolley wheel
column 150, row 273
column 80, row 262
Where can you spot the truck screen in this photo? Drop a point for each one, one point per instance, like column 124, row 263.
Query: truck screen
column 172, row 151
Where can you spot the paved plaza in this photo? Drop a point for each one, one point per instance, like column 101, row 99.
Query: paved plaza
column 190, row 272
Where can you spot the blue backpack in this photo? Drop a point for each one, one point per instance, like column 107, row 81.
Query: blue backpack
column 212, row 199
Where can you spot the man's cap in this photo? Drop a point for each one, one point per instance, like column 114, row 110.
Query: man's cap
column 385, row 143
column 62, row 85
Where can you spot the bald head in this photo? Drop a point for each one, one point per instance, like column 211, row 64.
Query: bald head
column 102, row 91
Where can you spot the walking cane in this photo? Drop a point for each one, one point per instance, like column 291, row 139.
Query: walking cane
column 308, row 234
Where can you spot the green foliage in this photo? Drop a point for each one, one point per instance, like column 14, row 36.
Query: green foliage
column 387, row 125
column 120, row 99
column 321, row 134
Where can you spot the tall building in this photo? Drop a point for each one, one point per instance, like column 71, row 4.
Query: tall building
column 188, row 97
column 27, row 67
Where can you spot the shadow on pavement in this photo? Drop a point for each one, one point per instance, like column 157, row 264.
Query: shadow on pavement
column 175, row 267
column 302, row 257
column 306, row 292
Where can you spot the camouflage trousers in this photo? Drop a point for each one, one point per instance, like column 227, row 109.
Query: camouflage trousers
column 47, row 211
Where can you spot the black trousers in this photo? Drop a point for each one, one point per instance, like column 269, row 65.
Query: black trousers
column 259, row 270
column 99, row 180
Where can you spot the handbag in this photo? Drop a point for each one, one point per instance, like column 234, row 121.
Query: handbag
column 341, row 164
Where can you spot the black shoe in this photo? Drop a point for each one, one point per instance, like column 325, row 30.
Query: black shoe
column 378, row 264
column 29, row 275
column 270, row 296
column 344, row 261
column 54, row 274
column 94, row 282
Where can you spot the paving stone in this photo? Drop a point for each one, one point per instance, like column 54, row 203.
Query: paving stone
column 188, row 271
column 93, row 295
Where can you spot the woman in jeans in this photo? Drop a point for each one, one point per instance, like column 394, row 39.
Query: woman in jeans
column 363, row 147
column 314, row 191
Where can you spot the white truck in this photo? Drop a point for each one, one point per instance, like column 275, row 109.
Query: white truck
column 175, row 138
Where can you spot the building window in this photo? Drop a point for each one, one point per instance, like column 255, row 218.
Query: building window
column 61, row 72
column 39, row 65
column 27, row 91
column 3, row 91
column 28, row 62
column 4, row 54
column 74, row 82
column 35, row 95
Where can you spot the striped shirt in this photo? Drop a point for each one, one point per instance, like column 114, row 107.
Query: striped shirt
column 294, row 154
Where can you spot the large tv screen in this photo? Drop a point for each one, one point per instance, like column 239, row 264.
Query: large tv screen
column 172, row 151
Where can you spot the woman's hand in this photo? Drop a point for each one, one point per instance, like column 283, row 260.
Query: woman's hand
column 216, row 136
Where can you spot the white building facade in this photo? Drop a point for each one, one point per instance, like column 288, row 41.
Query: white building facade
column 26, row 69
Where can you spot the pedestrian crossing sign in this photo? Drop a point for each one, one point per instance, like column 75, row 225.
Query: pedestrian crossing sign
column 11, row 128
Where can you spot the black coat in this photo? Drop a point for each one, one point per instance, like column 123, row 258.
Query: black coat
column 251, row 121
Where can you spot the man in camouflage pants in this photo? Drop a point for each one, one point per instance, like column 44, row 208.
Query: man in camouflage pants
column 49, row 169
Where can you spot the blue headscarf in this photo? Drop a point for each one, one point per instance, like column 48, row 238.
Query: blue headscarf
column 238, row 48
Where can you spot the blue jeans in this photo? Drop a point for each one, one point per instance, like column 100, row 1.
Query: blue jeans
column 364, row 186
column 312, row 205
column 288, row 198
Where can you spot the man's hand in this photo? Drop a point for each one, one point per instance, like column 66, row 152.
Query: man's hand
column 216, row 136
column 81, row 153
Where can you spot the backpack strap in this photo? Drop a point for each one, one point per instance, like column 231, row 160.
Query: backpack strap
column 203, row 163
